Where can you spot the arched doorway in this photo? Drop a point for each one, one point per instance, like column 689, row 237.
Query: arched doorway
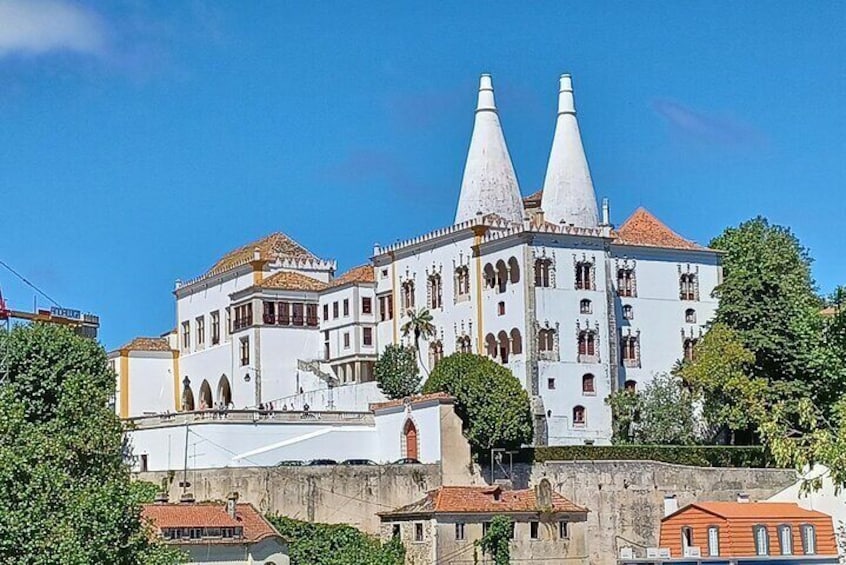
column 206, row 400
column 410, row 440
column 187, row 399
column 224, row 392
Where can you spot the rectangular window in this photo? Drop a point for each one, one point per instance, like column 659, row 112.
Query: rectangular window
column 563, row 530
column 268, row 312
column 395, row 531
column 809, row 539
column 384, row 273
column 347, row 340
column 713, row 541
column 418, row 531
column 325, row 312
column 334, row 310
column 485, row 527
column 366, row 305
column 785, row 537
column 215, row 327
column 243, row 316
column 367, row 336
column 534, row 530
column 500, row 309
column 284, row 313
column 550, row 384
column 245, row 351
column 201, row 331
column 186, row 335
column 386, row 307
column 311, row 315
column 346, row 307
column 298, row 319
column 459, row 531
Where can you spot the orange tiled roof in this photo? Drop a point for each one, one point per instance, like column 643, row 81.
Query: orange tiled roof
column 533, row 200
column 147, row 344
column 644, row 229
column 270, row 247
column 360, row 274
column 413, row 399
column 482, row 500
column 210, row 515
column 291, row 280
column 762, row 510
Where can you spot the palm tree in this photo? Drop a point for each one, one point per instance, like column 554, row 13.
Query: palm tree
column 420, row 325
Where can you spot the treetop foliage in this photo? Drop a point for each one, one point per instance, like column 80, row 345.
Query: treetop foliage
column 396, row 371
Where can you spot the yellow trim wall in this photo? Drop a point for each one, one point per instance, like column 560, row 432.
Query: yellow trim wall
column 124, row 384
column 478, row 232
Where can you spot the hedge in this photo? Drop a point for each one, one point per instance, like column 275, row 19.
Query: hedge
column 695, row 455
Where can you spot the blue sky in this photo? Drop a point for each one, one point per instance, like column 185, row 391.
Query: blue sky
column 141, row 140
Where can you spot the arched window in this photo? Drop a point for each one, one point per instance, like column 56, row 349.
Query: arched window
column 630, row 385
column 588, row 384
column 491, row 346
column 503, row 346
column 543, row 266
column 436, row 352
column 688, row 287
column 546, row 340
column 713, row 541
column 410, row 443
column 587, row 346
column 785, row 539
column 516, row 342
column 628, row 312
column 630, row 350
column 585, row 307
column 206, row 401
column 435, row 292
column 187, row 396
column 809, row 539
column 584, row 275
column 513, row 271
column 490, row 276
column 407, row 295
column 579, row 417
column 762, row 540
column 689, row 349
column 501, row 275
column 626, row 282
column 224, row 391
column 464, row 345
column 462, row 283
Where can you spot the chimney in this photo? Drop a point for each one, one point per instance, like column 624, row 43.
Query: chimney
column 606, row 213
column 377, row 249
column 742, row 498
column 671, row 504
column 186, row 498
column 231, row 504
column 161, row 497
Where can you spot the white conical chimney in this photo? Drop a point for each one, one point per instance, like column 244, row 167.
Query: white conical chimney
column 489, row 184
column 568, row 195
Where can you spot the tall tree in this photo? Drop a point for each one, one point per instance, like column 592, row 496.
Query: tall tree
column 65, row 491
column 396, row 371
column 419, row 326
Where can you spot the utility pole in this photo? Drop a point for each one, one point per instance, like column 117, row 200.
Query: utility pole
column 185, row 466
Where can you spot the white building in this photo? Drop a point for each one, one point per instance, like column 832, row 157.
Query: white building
column 545, row 285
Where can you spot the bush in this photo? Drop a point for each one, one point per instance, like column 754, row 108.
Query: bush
column 335, row 544
column 396, row 372
column 694, row 455
column 492, row 404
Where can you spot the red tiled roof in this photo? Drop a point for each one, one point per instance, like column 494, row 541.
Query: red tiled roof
column 360, row 274
column 291, row 280
column 210, row 515
column 482, row 500
column 644, row 229
column 763, row 510
column 270, row 247
column 147, row 344
column 412, row 399
column 533, row 200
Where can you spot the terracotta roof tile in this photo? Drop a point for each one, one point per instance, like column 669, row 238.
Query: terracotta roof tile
column 147, row 344
column 270, row 247
column 466, row 500
column 210, row 515
column 291, row 280
column 412, row 399
column 644, row 229
column 762, row 510
column 533, row 200
column 356, row 275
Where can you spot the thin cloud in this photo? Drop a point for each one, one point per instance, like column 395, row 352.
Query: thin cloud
column 707, row 128
column 363, row 166
column 38, row 27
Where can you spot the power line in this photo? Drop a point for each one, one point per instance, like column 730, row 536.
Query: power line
column 29, row 284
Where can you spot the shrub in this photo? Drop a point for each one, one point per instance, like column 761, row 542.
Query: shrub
column 396, row 372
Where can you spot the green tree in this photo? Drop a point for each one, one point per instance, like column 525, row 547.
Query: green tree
column 720, row 376
column 420, row 326
column 661, row 414
column 497, row 540
column 768, row 297
column 65, row 486
column 396, row 372
column 493, row 406
column 335, row 544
